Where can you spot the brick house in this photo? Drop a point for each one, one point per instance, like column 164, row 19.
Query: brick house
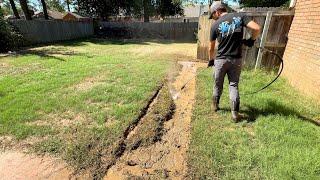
column 302, row 54
column 70, row 16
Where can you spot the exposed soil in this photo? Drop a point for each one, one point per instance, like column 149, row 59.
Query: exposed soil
column 166, row 158
column 17, row 165
column 154, row 146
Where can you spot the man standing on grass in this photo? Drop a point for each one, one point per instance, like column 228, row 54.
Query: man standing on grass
column 228, row 30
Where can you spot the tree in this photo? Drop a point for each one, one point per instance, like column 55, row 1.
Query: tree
column 44, row 8
column 102, row 8
column 264, row 3
column 68, row 5
column 169, row 7
column 138, row 8
column 14, row 9
column 55, row 5
column 26, row 11
column 146, row 8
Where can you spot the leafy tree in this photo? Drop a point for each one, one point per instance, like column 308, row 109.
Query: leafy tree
column 9, row 37
column 145, row 8
column 99, row 8
column 169, row 7
column 55, row 5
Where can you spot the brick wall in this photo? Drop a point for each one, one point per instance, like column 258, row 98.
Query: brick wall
column 302, row 54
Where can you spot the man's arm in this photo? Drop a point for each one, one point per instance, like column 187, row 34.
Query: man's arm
column 255, row 33
column 256, row 29
column 211, row 53
column 212, row 45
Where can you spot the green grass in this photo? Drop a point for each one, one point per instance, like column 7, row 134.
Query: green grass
column 278, row 140
column 79, row 96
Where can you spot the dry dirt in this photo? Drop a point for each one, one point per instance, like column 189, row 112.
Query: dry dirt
column 167, row 157
column 18, row 165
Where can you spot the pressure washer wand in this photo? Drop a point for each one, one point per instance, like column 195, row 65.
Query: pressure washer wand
column 184, row 86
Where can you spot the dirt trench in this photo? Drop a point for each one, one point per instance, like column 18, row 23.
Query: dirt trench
column 160, row 152
column 165, row 158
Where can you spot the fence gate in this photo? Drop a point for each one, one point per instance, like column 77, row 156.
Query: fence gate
column 275, row 25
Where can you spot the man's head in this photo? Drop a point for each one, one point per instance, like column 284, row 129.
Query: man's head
column 216, row 9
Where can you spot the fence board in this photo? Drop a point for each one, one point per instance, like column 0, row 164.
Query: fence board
column 263, row 38
column 44, row 31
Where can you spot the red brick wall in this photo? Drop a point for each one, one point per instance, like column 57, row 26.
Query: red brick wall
column 302, row 54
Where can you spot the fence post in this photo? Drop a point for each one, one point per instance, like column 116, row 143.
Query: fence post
column 263, row 38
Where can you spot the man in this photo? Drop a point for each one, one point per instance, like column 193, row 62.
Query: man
column 228, row 31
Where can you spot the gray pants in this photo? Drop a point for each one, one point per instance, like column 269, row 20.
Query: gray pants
column 231, row 67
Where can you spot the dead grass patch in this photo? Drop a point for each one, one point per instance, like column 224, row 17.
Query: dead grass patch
column 179, row 51
column 7, row 69
column 88, row 83
column 66, row 119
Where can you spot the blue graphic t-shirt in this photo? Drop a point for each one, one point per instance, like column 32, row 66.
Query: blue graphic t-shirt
column 228, row 30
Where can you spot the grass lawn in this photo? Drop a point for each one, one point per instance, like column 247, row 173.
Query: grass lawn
column 277, row 141
column 75, row 99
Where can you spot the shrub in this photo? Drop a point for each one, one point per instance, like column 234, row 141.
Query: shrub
column 10, row 38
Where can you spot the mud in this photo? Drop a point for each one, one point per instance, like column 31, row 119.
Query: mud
column 165, row 158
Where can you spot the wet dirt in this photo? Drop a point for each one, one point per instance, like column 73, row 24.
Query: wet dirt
column 165, row 158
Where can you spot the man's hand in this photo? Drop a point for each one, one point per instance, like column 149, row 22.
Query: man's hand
column 248, row 42
column 211, row 63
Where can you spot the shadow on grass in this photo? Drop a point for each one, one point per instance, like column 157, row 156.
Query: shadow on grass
column 53, row 53
column 110, row 41
column 274, row 108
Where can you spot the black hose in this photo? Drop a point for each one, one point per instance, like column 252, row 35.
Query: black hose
column 254, row 92
column 281, row 69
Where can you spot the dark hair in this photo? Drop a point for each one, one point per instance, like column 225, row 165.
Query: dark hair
column 223, row 9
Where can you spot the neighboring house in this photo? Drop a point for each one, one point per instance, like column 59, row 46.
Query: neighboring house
column 191, row 13
column 53, row 15
column 302, row 54
column 71, row 16
column 10, row 17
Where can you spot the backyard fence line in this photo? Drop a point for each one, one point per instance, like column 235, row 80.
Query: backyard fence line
column 47, row 31
column 161, row 30
column 275, row 38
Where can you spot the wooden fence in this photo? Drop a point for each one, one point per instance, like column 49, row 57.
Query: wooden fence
column 44, row 31
column 275, row 25
column 162, row 30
